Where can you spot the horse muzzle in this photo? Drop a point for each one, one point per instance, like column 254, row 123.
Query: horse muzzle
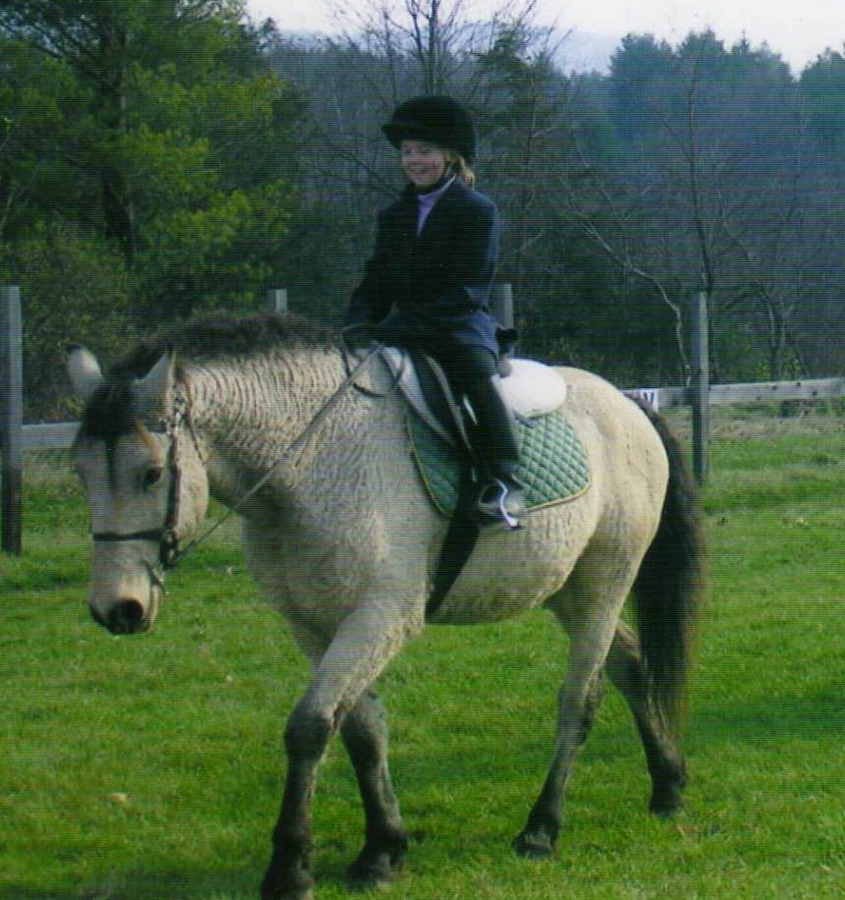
column 123, row 617
column 128, row 615
column 125, row 590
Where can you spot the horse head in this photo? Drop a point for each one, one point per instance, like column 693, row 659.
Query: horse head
column 137, row 457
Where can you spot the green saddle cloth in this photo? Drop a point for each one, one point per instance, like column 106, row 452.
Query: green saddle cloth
column 553, row 465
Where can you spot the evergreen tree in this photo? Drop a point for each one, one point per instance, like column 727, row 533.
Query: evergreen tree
column 169, row 136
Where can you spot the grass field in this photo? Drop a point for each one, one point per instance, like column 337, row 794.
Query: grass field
column 152, row 767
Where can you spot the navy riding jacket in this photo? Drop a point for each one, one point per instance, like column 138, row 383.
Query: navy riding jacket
column 435, row 286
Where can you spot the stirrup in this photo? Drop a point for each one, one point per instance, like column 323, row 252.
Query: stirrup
column 500, row 503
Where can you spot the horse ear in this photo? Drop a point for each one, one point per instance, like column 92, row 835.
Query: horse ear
column 84, row 372
column 153, row 391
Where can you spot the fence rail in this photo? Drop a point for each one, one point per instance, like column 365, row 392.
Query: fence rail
column 52, row 436
column 753, row 392
column 16, row 438
column 60, row 435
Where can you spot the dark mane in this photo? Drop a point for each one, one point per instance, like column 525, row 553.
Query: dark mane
column 221, row 336
column 111, row 412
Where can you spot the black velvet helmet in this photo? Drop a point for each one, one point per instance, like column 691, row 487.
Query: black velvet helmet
column 435, row 118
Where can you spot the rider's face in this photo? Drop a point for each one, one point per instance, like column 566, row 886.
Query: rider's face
column 424, row 163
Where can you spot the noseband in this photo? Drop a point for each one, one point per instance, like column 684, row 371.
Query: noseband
column 166, row 537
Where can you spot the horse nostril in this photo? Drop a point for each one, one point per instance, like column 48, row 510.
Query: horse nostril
column 125, row 616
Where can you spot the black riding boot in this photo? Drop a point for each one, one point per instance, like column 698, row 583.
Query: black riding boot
column 500, row 497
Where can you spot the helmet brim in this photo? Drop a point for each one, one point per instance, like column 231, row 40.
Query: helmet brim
column 439, row 120
column 396, row 132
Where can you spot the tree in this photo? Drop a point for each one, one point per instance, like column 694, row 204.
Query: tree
column 640, row 71
column 823, row 90
column 74, row 288
column 175, row 147
column 523, row 104
column 38, row 98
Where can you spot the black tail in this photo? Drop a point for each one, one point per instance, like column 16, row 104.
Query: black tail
column 669, row 587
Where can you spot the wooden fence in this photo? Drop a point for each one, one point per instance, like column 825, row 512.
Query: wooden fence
column 11, row 418
column 15, row 438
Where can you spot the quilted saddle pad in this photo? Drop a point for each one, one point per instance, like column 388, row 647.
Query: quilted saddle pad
column 553, row 464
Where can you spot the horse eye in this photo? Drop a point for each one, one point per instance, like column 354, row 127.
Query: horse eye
column 152, row 476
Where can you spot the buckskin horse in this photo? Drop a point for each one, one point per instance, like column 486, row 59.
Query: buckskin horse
column 341, row 536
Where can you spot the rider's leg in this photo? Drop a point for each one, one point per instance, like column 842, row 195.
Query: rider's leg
column 472, row 372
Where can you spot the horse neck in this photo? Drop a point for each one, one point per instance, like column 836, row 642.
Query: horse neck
column 249, row 411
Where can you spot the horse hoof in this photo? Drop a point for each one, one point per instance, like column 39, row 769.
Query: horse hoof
column 534, row 846
column 666, row 802
column 294, row 884
column 368, row 873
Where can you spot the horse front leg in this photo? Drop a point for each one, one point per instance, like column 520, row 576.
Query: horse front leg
column 364, row 733
column 363, row 645
column 306, row 737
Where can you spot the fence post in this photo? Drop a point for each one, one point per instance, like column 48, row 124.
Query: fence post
column 700, row 387
column 11, row 418
column 277, row 300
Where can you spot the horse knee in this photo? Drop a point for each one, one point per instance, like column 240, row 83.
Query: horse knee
column 307, row 734
column 364, row 730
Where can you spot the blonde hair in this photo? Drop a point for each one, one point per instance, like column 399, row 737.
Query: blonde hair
column 459, row 164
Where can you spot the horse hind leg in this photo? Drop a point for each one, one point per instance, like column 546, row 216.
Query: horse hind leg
column 364, row 733
column 591, row 630
column 577, row 710
column 665, row 763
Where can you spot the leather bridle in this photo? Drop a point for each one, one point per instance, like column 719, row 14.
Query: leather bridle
column 166, row 536
column 169, row 551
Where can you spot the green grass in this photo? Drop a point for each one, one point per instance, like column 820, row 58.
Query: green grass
column 152, row 767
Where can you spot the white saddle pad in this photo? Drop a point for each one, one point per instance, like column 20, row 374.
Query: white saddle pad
column 531, row 389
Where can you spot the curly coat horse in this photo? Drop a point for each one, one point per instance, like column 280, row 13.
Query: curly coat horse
column 344, row 541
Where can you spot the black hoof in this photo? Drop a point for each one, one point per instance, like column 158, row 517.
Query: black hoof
column 375, row 869
column 534, row 846
column 667, row 801
column 373, row 876
column 291, row 884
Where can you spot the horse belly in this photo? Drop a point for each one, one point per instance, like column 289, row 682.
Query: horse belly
column 509, row 572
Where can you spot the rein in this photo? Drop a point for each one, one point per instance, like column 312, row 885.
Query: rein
column 169, row 551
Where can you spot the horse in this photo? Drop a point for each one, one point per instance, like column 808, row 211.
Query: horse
column 339, row 533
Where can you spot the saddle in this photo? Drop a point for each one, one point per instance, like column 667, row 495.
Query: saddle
column 534, row 392
column 529, row 388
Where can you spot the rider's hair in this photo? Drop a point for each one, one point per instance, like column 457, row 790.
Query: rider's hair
column 459, row 164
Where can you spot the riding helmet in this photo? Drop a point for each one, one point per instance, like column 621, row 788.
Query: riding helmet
column 435, row 118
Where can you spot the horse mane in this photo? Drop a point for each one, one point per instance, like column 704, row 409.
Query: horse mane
column 111, row 412
column 213, row 337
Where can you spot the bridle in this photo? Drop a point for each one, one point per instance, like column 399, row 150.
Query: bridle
column 166, row 536
column 169, row 551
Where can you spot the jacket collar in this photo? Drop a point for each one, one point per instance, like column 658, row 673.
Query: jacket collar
column 410, row 193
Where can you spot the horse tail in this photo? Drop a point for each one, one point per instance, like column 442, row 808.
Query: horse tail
column 669, row 587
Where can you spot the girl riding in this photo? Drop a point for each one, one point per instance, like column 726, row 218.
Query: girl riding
column 427, row 284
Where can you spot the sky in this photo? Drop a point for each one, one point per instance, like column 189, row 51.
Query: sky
column 799, row 30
